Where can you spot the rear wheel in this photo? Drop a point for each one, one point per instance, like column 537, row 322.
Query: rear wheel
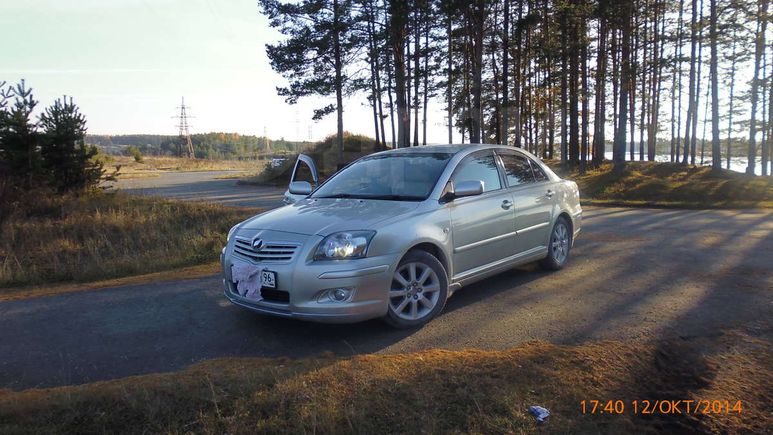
column 418, row 290
column 559, row 245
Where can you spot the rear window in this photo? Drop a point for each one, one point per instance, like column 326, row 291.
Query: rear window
column 517, row 170
column 539, row 174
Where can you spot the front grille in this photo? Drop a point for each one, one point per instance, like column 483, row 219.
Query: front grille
column 273, row 295
column 271, row 251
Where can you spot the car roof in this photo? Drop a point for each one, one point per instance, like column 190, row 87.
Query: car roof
column 443, row 148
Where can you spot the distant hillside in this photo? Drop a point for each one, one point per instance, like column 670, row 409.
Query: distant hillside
column 216, row 145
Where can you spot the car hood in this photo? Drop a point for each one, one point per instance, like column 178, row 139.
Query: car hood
column 324, row 216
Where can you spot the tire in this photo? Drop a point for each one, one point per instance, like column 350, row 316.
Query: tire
column 417, row 275
column 559, row 245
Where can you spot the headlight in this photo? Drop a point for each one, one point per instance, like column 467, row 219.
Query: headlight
column 346, row 244
column 231, row 232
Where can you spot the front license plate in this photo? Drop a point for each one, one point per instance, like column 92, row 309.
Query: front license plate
column 268, row 279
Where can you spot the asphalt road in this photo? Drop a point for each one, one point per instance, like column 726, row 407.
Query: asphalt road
column 635, row 274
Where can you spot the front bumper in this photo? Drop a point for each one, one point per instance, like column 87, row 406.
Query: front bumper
column 305, row 281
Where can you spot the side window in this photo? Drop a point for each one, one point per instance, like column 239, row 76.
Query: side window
column 481, row 167
column 539, row 174
column 517, row 170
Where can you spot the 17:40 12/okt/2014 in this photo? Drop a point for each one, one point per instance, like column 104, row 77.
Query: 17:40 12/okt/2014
column 667, row 406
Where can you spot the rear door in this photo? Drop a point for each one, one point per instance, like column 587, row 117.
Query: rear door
column 304, row 170
column 533, row 199
column 482, row 225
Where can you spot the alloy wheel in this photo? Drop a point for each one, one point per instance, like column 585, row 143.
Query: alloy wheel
column 559, row 243
column 414, row 292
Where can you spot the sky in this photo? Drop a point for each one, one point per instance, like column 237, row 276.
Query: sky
column 127, row 64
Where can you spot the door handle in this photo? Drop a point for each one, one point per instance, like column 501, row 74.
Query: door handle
column 550, row 193
column 506, row 204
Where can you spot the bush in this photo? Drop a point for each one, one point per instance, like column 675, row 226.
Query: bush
column 134, row 152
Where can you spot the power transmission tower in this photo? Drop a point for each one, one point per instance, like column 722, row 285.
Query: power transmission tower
column 184, row 144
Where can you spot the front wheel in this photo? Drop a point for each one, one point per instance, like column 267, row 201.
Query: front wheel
column 559, row 245
column 418, row 290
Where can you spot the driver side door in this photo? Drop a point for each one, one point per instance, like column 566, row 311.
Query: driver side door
column 303, row 170
column 482, row 226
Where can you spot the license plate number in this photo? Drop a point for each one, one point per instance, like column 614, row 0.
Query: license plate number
column 268, row 279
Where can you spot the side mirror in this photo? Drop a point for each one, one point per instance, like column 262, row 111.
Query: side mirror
column 300, row 188
column 463, row 188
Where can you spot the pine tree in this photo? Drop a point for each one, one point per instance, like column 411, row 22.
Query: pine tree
column 67, row 160
column 315, row 57
column 19, row 137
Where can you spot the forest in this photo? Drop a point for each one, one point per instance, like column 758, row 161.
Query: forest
column 688, row 79
column 213, row 146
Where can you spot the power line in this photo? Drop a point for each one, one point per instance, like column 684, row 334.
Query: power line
column 184, row 143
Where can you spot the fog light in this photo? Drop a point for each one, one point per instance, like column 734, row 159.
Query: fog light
column 339, row 294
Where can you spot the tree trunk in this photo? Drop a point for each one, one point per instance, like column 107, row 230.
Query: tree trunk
column 694, row 138
column 657, row 79
column 574, row 70
column 379, row 89
column 505, row 73
column 716, row 152
column 372, row 56
column 338, row 81
column 625, row 73
column 391, row 102
column 450, row 108
column 564, row 88
column 632, row 82
column 398, row 11
column 643, row 67
column 615, row 85
column 767, row 145
column 425, row 94
column 477, row 29
column 730, row 112
column 679, row 38
column 517, row 64
column 759, row 47
column 765, row 137
column 691, row 105
column 416, row 74
column 584, row 77
column 600, row 105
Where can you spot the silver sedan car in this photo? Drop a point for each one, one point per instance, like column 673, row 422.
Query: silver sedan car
column 394, row 234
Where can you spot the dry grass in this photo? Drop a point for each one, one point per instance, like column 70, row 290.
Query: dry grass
column 48, row 238
column 434, row 391
column 672, row 185
column 42, row 290
column 152, row 165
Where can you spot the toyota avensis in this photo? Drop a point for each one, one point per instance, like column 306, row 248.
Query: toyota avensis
column 394, row 234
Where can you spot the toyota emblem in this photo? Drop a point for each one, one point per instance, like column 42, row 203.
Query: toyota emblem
column 257, row 244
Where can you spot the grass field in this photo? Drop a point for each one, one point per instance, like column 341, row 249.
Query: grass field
column 435, row 391
column 151, row 166
column 671, row 185
column 49, row 239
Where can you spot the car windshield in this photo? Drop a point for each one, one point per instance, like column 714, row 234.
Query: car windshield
column 390, row 176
